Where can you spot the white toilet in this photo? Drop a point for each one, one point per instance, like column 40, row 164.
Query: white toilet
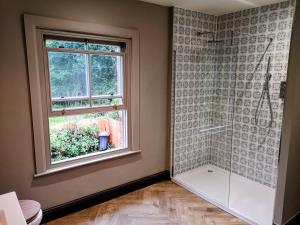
column 32, row 212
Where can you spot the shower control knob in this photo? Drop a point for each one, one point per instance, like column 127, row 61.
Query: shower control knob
column 282, row 89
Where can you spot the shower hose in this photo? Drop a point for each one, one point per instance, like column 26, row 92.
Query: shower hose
column 265, row 94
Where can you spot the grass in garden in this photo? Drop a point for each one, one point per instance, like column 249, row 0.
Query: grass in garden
column 57, row 120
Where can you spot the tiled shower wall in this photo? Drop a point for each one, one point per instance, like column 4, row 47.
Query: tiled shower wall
column 255, row 150
column 193, row 90
column 214, row 98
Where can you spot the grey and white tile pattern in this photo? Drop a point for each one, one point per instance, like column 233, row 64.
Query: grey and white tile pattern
column 213, row 101
column 193, row 96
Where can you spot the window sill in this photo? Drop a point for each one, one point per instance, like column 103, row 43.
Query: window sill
column 103, row 157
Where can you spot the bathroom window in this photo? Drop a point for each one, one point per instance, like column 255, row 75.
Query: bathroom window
column 85, row 88
column 84, row 92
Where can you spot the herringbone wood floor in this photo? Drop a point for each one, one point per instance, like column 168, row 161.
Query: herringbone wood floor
column 164, row 203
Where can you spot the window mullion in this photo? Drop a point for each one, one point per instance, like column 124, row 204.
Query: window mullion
column 120, row 75
column 89, row 78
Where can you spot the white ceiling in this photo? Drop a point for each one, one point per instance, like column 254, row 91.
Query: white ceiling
column 214, row 7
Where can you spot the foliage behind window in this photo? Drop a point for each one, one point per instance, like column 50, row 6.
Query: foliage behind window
column 68, row 71
column 73, row 141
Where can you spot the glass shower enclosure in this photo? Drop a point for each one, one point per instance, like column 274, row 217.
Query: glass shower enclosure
column 204, row 109
column 226, row 113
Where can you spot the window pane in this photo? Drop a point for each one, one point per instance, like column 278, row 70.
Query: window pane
column 68, row 74
column 106, row 102
column 78, row 135
column 106, row 75
column 104, row 47
column 70, row 104
column 65, row 44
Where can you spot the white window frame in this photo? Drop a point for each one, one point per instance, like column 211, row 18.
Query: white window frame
column 72, row 111
column 35, row 28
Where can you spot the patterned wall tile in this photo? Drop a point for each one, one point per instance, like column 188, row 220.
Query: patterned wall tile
column 253, row 144
column 193, row 89
column 213, row 98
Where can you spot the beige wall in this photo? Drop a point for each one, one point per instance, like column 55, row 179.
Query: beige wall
column 16, row 135
column 288, row 188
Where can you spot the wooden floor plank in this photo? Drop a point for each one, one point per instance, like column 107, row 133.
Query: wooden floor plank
column 164, row 203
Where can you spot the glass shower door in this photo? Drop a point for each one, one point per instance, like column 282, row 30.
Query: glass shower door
column 204, row 84
column 223, row 114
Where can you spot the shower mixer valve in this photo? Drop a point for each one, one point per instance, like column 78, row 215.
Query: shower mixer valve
column 282, row 89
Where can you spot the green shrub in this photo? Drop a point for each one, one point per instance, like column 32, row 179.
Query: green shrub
column 71, row 142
